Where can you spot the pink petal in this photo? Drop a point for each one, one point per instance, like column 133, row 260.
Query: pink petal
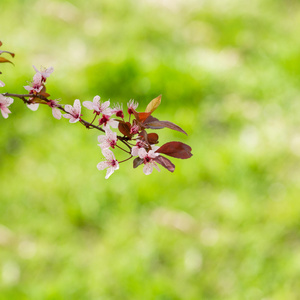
column 33, row 106
column 88, row 104
column 142, row 152
column 56, row 113
column 67, row 116
column 2, row 84
column 103, row 165
column 68, row 108
column 96, row 100
column 77, row 105
column 148, row 168
column 5, row 111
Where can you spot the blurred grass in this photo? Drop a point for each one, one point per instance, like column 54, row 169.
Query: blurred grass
column 226, row 224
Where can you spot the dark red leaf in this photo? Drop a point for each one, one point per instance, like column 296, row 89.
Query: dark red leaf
column 176, row 149
column 162, row 124
column 152, row 138
column 137, row 161
column 124, row 128
column 166, row 163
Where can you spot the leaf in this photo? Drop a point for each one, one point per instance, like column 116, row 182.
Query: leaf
column 12, row 54
column 166, row 163
column 162, row 124
column 176, row 149
column 124, row 128
column 4, row 60
column 153, row 105
column 137, row 161
column 152, row 138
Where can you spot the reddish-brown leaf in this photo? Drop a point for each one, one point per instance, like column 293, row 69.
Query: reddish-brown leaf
column 4, row 60
column 1, row 44
column 44, row 94
column 162, row 124
column 166, row 163
column 137, row 161
column 152, row 138
column 176, row 149
column 124, row 128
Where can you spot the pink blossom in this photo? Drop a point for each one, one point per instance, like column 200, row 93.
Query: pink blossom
column 111, row 163
column 148, row 159
column 2, row 84
column 36, row 85
column 134, row 129
column 106, row 122
column 55, row 111
column 74, row 112
column 118, row 111
column 132, row 106
column 97, row 106
column 45, row 73
column 135, row 149
column 107, row 140
column 4, row 103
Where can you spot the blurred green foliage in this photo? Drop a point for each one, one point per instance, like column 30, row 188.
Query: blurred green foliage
column 226, row 224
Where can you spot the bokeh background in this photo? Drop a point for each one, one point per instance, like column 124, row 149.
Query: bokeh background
column 225, row 224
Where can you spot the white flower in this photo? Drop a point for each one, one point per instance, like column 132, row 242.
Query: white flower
column 4, row 103
column 74, row 112
column 118, row 110
column 2, row 84
column 36, row 85
column 97, row 106
column 45, row 73
column 111, row 163
column 106, row 122
column 107, row 140
column 132, row 106
column 148, row 159
column 135, row 149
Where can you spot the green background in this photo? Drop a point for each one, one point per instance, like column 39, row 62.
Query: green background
column 225, row 224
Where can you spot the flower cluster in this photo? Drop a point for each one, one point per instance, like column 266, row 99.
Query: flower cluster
column 133, row 133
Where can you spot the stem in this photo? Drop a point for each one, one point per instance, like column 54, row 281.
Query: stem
column 123, row 149
column 125, row 159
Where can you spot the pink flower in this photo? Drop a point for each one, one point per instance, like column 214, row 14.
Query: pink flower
column 148, row 159
column 4, row 103
column 55, row 111
column 132, row 106
column 111, row 163
column 118, row 111
column 2, row 84
column 45, row 73
column 106, row 122
column 36, row 85
column 134, row 129
column 74, row 112
column 97, row 106
column 107, row 140
column 135, row 149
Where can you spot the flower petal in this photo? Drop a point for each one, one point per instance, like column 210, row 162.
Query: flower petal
column 56, row 113
column 148, row 168
column 33, row 106
column 88, row 104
